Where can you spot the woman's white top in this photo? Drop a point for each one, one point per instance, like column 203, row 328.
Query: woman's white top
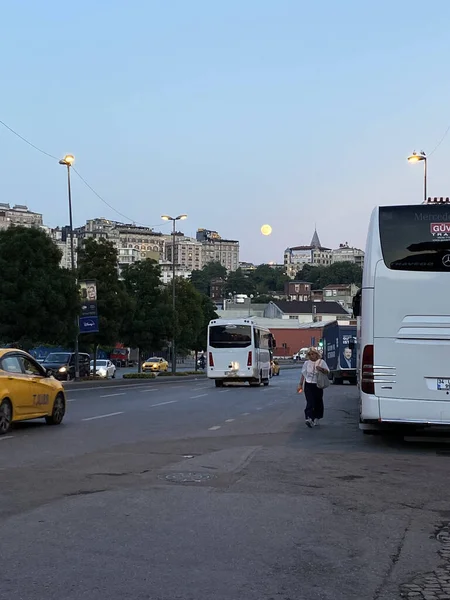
column 309, row 371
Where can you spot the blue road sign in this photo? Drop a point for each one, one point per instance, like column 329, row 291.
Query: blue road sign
column 88, row 324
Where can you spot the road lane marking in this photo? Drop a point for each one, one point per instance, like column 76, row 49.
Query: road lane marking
column 148, row 390
column 103, row 416
column 162, row 403
column 199, row 396
column 223, row 391
column 259, row 408
column 245, row 414
column 215, row 428
column 229, row 420
column 111, row 395
column 71, row 400
column 6, row 437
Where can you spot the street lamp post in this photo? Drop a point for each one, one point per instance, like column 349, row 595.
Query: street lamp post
column 68, row 161
column 250, row 298
column 174, row 221
column 418, row 157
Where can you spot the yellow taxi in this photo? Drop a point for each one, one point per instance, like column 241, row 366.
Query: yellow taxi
column 27, row 391
column 275, row 367
column 155, row 364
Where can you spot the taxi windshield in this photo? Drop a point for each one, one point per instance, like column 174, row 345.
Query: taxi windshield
column 100, row 363
column 154, row 359
column 57, row 357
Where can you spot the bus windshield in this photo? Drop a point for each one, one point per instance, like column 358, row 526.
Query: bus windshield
column 230, row 336
column 415, row 238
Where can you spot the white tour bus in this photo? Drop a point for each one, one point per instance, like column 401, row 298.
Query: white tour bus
column 404, row 317
column 239, row 350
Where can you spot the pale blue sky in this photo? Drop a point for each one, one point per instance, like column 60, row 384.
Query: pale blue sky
column 238, row 112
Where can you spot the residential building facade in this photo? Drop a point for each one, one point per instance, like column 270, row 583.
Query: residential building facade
column 19, row 214
column 188, row 252
column 167, row 272
column 341, row 293
column 217, row 249
column 298, row 290
column 345, row 253
column 315, row 255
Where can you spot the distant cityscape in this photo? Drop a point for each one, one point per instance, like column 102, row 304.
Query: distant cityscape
column 135, row 243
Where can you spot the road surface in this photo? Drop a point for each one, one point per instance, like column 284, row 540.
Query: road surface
column 182, row 491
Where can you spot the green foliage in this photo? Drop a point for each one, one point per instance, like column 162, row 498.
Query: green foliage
column 340, row 272
column 39, row 300
column 148, row 322
column 98, row 260
column 201, row 279
column 208, row 314
column 268, row 279
column 240, row 283
column 188, row 319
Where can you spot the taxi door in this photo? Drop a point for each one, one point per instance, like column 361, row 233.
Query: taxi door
column 17, row 384
column 40, row 390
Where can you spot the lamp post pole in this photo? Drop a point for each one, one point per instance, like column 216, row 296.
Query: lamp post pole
column 67, row 161
column 419, row 157
column 174, row 221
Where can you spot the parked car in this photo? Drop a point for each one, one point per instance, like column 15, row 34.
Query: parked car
column 104, row 368
column 155, row 363
column 28, row 391
column 62, row 365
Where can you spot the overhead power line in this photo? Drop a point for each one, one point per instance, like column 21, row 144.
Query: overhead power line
column 79, row 175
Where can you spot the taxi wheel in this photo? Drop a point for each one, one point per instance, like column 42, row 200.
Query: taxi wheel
column 58, row 412
column 5, row 416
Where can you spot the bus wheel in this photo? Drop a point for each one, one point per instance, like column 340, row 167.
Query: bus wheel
column 219, row 383
column 265, row 382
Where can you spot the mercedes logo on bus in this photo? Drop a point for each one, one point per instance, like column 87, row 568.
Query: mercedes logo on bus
column 446, row 260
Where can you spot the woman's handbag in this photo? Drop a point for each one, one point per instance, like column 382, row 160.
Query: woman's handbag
column 323, row 380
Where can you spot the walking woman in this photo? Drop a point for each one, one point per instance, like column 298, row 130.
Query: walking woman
column 308, row 384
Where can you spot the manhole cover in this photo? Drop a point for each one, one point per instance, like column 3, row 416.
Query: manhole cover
column 188, row 477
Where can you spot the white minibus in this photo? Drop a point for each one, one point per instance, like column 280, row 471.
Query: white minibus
column 239, row 350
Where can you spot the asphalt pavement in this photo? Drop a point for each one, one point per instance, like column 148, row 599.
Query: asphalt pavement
column 178, row 490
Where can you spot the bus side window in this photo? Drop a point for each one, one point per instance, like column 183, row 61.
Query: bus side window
column 257, row 338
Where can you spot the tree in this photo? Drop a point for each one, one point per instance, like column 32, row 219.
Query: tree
column 98, row 260
column 268, row 279
column 188, row 318
column 148, row 322
column 39, row 300
column 201, row 279
column 208, row 314
column 240, row 283
column 339, row 272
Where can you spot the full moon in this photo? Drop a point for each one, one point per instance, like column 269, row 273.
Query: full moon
column 266, row 229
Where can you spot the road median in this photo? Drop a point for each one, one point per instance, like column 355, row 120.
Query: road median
column 120, row 382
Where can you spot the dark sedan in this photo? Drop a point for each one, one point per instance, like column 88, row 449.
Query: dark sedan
column 62, row 365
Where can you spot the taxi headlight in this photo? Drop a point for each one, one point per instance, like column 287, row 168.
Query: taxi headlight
column 62, row 369
column 102, row 371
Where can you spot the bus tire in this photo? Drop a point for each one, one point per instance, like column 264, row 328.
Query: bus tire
column 265, row 382
column 218, row 382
